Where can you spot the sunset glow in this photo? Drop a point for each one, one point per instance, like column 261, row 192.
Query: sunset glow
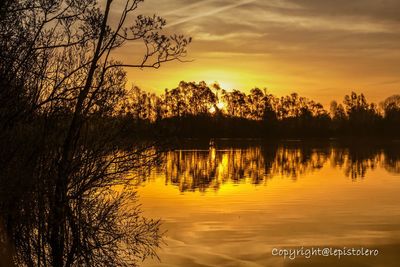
column 319, row 49
column 184, row 133
column 220, row 105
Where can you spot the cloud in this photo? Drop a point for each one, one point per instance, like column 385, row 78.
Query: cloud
column 293, row 43
column 178, row 11
column 210, row 12
column 203, row 36
column 266, row 27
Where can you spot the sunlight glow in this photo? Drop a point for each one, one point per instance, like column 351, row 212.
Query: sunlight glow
column 220, row 105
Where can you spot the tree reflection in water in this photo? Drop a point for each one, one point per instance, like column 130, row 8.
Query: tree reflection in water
column 101, row 229
column 208, row 168
column 102, row 224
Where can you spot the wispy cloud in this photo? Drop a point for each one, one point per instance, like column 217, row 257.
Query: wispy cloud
column 288, row 44
column 188, row 7
column 210, row 12
column 385, row 82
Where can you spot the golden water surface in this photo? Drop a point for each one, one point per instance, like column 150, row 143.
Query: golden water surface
column 231, row 203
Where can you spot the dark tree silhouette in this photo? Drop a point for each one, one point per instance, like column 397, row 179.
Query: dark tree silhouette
column 59, row 86
column 391, row 109
column 197, row 110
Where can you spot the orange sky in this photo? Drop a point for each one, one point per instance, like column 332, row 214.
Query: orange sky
column 320, row 49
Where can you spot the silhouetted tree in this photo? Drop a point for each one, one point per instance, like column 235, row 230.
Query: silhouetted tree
column 59, row 84
column 391, row 109
column 362, row 116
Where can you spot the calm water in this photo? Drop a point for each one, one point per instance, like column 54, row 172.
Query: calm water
column 231, row 203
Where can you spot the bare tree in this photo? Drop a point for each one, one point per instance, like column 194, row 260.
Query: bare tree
column 57, row 75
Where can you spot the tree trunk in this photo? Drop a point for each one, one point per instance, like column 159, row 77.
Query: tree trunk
column 60, row 201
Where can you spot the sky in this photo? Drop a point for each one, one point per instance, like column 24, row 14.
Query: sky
column 319, row 49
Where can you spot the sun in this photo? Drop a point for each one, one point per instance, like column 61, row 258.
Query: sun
column 220, row 105
column 225, row 85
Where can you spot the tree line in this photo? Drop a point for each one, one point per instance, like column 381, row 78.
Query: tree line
column 199, row 110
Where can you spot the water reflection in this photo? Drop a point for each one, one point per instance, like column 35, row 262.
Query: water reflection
column 316, row 195
column 101, row 223
column 204, row 169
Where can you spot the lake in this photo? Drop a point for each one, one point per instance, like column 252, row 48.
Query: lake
column 235, row 202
